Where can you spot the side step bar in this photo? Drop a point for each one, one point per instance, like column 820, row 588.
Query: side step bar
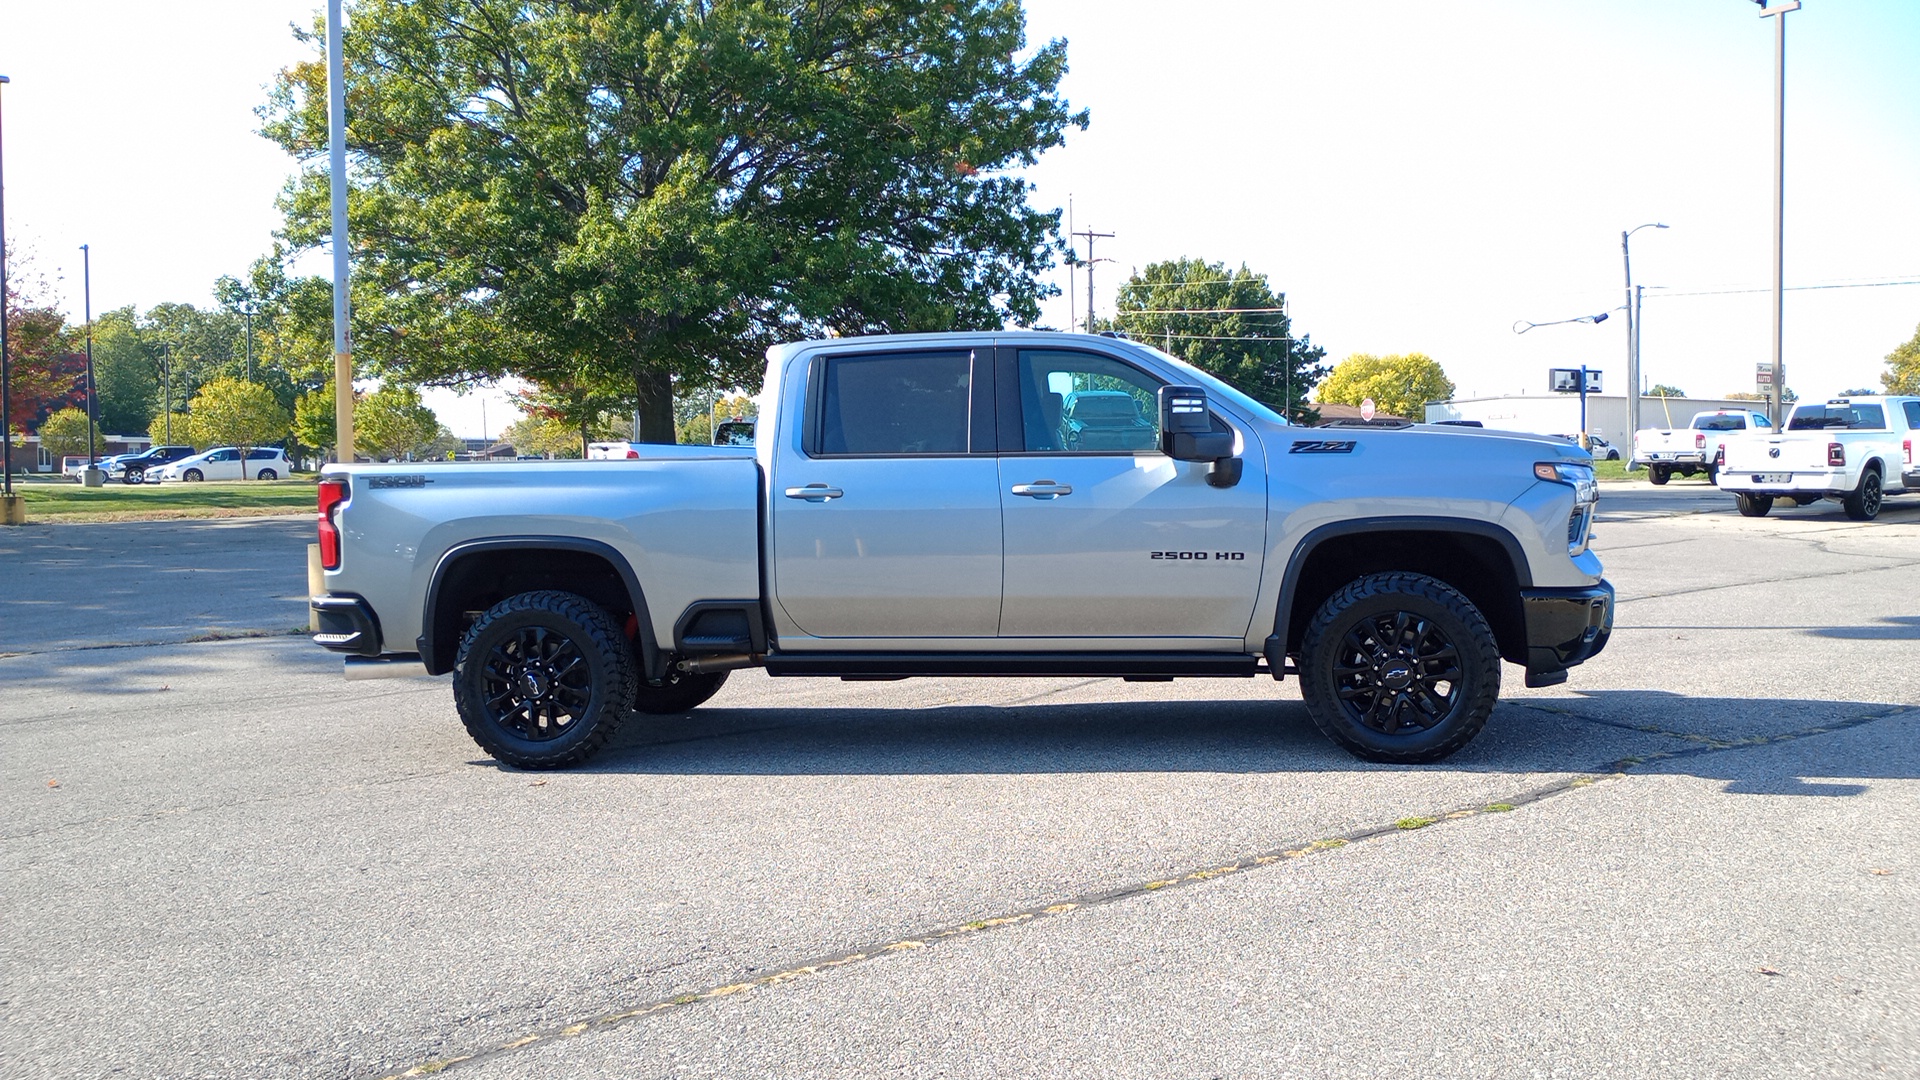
column 1017, row 665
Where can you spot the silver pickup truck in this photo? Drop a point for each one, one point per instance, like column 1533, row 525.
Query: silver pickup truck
column 983, row 504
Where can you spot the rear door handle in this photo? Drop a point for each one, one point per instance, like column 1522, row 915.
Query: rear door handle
column 1043, row 489
column 815, row 493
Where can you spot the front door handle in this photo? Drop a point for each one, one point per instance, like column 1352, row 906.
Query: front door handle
column 814, row 493
column 1043, row 489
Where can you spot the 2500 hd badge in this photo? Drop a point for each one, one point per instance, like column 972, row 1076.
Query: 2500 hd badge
column 1199, row 556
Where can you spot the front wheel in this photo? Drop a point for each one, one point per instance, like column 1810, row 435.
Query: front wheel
column 542, row 679
column 1658, row 474
column 1864, row 503
column 193, row 476
column 133, row 476
column 1754, row 505
column 1399, row 667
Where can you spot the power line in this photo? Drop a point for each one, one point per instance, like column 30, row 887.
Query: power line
column 1663, row 294
column 1203, row 311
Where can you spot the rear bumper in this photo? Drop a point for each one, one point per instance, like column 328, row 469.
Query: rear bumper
column 347, row 624
column 1565, row 627
column 1761, row 481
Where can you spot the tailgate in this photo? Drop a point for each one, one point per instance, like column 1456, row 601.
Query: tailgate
column 1777, row 453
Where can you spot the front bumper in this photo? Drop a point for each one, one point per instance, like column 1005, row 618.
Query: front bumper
column 347, row 624
column 1565, row 627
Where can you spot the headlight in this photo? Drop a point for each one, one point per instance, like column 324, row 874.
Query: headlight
column 1579, row 477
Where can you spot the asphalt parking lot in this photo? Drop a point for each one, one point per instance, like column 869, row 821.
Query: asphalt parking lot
column 1696, row 858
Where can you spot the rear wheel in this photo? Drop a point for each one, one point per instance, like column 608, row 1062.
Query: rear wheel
column 1754, row 505
column 1399, row 667
column 1864, row 503
column 1658, row 474
column 1713, row 474
column 266, row 474
column 542, row 679
column 677, row 693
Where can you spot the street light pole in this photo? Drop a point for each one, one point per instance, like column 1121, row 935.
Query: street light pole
column 337, row 160
column 6, row 362
column 1778, row 14
column 86, row 292
column 166, row 394
column 1633, row 340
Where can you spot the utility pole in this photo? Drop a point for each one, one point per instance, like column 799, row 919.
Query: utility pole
column 1091, row 237
column 337, row 159
column 1779, row 15
column 92, row 476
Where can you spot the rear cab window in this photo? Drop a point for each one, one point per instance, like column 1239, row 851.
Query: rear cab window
column 903, row 404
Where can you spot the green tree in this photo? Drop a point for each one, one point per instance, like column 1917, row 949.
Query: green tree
column 235, row 412
column 1226, row 322
column 1398, row 385
column 392, row 423
column 611, row 195
column 161, row 433
column 65, row 432
column 544, row 434
column 126, row 373
column 313, row 421
column 1663, row 390
column 1903, row 367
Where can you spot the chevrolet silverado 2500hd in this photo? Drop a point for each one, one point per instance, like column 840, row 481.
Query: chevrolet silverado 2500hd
column 977, row 504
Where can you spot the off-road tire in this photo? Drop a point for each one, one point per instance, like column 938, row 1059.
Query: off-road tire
column 1863, row 504
column 1754, row 505
column 677, row 693
column 1380, row 641
column 1657, row 475
column 531, row 657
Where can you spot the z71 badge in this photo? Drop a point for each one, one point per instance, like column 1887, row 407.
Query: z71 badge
column 1322, row 446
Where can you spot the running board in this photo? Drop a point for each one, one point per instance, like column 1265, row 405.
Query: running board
column 1016, row 665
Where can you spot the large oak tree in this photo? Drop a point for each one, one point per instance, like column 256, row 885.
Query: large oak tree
column 615, row 194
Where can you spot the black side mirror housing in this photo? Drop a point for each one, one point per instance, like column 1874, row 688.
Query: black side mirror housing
column 1186, row 434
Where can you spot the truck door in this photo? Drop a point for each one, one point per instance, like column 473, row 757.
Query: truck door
column 1107, row 538
column 885, row 515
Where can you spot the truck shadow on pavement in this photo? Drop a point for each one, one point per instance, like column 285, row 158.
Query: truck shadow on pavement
column 1595, row 732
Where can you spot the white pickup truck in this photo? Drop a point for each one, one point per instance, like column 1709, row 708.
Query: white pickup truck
column 1691, row 449
column 1855, row 449
column 1011, row 504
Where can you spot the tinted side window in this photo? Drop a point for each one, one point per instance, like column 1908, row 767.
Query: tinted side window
column 913, row 403
column 1085, row 403
column 1867, row 416
column 257, row 455
column 1913, row 413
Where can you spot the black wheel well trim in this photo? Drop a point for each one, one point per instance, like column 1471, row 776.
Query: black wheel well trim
column 1276, row 645
column 653, row 661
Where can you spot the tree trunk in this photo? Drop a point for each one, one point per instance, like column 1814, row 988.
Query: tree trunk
column 655, row 389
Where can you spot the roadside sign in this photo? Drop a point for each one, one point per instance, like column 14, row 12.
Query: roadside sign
column 1366, row 409
column 1763, row 375
column 1573, row 380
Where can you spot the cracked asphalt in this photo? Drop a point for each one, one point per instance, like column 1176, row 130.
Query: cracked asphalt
column 1696, row 858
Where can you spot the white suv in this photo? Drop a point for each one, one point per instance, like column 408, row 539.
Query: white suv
column 223, row 463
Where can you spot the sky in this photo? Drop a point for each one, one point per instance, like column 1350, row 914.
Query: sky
column 1414, row 176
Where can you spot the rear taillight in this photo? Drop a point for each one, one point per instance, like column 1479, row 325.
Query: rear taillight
column 1908, row 447
column 332, row 494
column 1720, row 455
column 1699, row 442
column 632, row 453
column 1836, row 453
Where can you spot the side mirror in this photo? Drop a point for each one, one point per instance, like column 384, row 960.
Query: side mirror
column 1186, row 434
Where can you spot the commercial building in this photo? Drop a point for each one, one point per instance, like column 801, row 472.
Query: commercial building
column 1559, row 414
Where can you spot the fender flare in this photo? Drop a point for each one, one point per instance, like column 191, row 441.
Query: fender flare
column 1276, row 646
column 653, row 661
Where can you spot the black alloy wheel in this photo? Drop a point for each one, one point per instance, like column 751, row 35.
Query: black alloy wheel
column 1864, row 503
column 542, row 679
column 1399, row 667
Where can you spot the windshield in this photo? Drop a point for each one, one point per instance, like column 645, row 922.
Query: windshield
column 1214, row 386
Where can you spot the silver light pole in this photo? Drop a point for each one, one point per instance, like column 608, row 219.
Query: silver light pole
column 6, row 365
column 337, row 160
column 92, row 477
column 1778, row 13
column 1633, row 340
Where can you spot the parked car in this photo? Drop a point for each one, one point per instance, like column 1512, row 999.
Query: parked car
column 1601, row 449
column 72, row 466
column 223, row 463
column 132, row 468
